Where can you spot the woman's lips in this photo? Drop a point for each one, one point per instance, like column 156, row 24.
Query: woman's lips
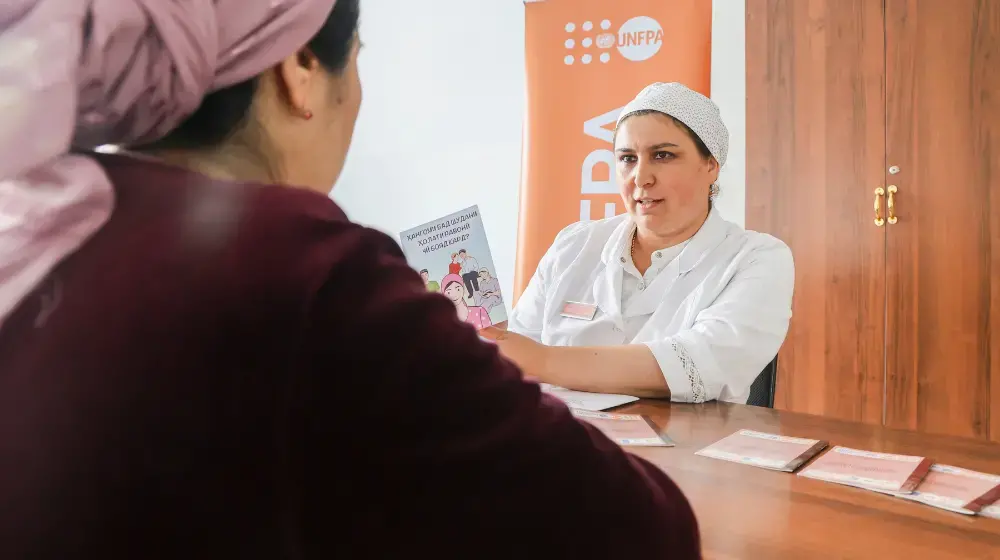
column 647, row 204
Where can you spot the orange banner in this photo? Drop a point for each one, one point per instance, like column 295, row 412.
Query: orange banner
column 585, row 59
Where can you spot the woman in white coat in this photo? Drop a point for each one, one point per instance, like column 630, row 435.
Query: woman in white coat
column 668, row 300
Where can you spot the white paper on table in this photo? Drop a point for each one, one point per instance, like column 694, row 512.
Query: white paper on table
column 587, row 401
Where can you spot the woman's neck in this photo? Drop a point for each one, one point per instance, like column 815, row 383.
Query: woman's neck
column 228, row 163
column 646, row 242
column 463, row 309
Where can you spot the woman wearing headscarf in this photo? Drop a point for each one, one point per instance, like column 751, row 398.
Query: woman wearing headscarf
column 475, row 315
column 669, row 299
column 201, row 357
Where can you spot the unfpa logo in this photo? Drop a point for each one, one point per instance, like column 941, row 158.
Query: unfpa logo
column 638, row 39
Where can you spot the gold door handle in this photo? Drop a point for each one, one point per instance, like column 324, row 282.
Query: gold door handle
column 890, row 205
column 879, row 220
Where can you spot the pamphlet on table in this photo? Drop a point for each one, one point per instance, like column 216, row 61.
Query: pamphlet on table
column 955, row 489
column 453, row 258
column 625, row 429
column 867, row 469
column 767, row 451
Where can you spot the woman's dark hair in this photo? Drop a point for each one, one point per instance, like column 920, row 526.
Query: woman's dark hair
column 225, row 111
column 703, row 150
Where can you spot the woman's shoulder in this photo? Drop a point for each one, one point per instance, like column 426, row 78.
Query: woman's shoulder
column 236, row 211
column 754, row 248
column 759, row 243
column 251, row 240
column 142, row 182
column 296, row 240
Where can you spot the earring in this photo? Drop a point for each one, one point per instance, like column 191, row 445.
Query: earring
column 307, row 114
column 713, row 191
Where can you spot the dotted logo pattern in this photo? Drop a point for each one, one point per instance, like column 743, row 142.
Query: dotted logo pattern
column 638, row 39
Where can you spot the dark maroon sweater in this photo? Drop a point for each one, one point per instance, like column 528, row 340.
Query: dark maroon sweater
column 238, row 371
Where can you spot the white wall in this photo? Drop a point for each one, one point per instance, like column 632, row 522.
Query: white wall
column 440, row 125
column 729, row 91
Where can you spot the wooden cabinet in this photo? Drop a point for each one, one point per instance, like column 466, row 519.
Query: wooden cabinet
column 899, row 322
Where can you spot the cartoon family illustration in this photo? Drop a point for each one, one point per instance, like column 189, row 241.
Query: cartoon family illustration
column 467, row 281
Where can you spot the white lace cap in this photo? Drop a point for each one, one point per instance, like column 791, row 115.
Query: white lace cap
column 696, row 111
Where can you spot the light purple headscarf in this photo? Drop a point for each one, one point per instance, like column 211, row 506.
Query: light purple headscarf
column 84, row 73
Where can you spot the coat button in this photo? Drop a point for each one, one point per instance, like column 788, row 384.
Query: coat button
column 659, row 255
column 622, row 259
column 641, row 286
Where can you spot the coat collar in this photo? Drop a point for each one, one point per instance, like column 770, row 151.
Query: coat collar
column 708, row 237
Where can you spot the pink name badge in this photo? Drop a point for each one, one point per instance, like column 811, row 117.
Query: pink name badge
column 575, row 310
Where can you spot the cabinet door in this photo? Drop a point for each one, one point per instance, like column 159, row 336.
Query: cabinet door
column 943, row 268
column 815, row 154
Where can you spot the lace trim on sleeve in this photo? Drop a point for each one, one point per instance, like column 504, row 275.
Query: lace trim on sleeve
column 697, row 385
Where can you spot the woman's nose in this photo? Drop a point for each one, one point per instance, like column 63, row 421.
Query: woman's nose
column 643, row 175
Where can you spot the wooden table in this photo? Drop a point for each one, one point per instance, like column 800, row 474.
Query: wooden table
column 747, row 512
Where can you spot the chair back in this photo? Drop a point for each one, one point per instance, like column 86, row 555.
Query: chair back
column 762, row 388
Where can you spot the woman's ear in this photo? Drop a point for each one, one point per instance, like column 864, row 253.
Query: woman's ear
column 714, row 168
column 295, row 76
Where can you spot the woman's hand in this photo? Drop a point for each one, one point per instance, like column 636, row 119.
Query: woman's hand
column 532, row 357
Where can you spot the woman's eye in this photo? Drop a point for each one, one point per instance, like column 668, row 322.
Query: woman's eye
column 627, row 158
column 663, row 155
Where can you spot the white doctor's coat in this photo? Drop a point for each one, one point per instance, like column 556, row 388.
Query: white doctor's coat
column 713, row 316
